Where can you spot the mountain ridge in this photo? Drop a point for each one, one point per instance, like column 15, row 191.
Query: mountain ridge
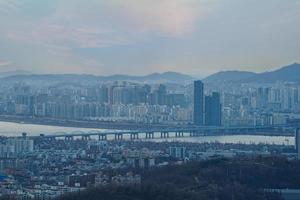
column 13, row 73
column 228, row 76
column 288, row 73
column 160, row 77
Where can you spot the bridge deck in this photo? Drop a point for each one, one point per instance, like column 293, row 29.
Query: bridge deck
column 284, row 129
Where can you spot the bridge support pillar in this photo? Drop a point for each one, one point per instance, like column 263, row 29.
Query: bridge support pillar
column 179, row 134
column 52, row 138
column 150, row 135
column 85, row 137
column 192, row 133
column 164, row 134
column 69, row 137
column 134, row 136
column 102, row 137
column 118, row 136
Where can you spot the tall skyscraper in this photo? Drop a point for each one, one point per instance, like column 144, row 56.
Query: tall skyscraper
column 297, row 142
column 198, row 103
column 208, row 111
column 158, row 97
column 213, row 110
column 216, row 109
column 161, row 94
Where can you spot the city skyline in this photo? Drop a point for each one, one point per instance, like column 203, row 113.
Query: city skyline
column 144, row 99
column 124, row 75
column 141, row 37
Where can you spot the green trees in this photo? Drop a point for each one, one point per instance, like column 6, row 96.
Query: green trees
column 220, row 179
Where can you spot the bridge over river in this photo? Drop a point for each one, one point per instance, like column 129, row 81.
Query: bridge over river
column 173, row 132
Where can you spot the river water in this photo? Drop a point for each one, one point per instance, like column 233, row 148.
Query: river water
column 16, row 129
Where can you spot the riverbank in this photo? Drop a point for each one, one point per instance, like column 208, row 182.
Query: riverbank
column 114, row 125
column 12, row 129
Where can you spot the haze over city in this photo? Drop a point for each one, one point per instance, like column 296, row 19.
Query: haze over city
column 195, row 37
column 149, row 99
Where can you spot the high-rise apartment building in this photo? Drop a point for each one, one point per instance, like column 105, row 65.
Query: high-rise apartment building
column 213, row 110
column 198, row 103
column 297, row 142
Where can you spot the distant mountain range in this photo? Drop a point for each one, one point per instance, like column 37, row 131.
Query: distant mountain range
column 13, row 73
column 290, row 73
column 229, row 76
column 171, row 77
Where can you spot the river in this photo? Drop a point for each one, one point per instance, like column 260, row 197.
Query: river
column 15, row 129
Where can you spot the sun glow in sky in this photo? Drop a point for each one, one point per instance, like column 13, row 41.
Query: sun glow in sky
column 196, row 37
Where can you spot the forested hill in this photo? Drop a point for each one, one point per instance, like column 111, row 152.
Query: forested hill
column 289, row 73
column 220, row 179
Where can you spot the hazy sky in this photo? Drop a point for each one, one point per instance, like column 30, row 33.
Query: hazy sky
column 196, row 37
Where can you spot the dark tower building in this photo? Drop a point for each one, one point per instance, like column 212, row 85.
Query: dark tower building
column 162, row 91
column 213, row 110
column 158, row 97
column 208, row 111
column 198, row 103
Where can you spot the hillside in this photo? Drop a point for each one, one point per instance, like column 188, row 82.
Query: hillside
column 168, row 77
column 222, row 179
column 13, row 73
column 229, row 76
column 289, row 73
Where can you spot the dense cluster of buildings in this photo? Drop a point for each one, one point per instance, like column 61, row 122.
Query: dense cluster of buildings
column 117, row 101
column 261, row 104
column 109, row 102
column 51, row 168
column 207, row 109
column 13, row 147
column 199, row 103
